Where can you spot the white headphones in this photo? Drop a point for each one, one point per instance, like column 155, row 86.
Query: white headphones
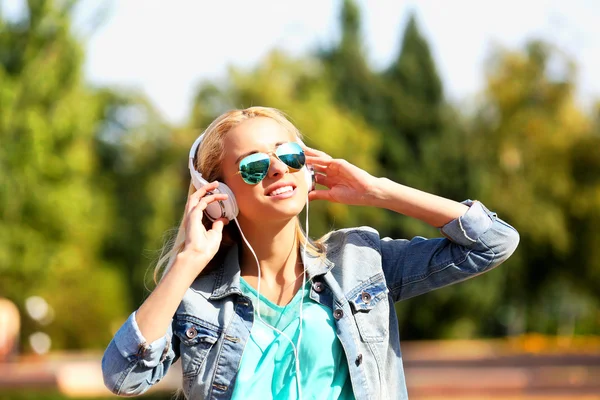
column 228, row 208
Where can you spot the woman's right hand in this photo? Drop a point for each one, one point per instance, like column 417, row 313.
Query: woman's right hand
column 198, row 240
column 156, row 313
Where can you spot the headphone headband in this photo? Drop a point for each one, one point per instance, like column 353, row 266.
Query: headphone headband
column 193, row 152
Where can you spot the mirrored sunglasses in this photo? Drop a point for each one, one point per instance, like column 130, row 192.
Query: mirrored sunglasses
column 255, row 167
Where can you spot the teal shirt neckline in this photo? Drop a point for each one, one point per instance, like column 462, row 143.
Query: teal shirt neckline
column 268, row 368
column 247, row 290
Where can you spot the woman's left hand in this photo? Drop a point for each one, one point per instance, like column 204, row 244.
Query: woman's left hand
column 346, row 183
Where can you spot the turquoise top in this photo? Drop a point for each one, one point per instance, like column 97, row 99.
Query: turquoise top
column 268, row 367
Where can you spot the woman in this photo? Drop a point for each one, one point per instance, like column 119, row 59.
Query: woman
column 231, row 303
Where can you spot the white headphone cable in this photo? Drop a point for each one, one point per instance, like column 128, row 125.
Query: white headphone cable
column 297, row 361
column 302, row 299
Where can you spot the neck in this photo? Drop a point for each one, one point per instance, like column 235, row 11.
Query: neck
column 277, row 250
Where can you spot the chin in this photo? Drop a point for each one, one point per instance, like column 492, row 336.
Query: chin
column 282, row 213
column 267, row 212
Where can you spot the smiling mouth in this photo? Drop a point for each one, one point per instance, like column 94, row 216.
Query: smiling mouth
column 281, row 190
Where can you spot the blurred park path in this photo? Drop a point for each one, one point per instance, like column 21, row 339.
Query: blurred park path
column 524, row 368
column 532, row 367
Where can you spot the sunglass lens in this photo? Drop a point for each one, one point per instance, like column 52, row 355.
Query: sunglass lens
column 292, row 155
column 254, row 168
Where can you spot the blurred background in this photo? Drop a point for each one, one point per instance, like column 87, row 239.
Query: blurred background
column 495, row 101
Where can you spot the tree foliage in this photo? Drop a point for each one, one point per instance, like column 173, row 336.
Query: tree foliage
column 53, row 216
column 526, row 143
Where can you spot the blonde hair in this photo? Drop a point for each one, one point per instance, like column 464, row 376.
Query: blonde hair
column 208, row 161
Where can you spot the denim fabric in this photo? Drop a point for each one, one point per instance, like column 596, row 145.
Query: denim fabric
column 360, row 279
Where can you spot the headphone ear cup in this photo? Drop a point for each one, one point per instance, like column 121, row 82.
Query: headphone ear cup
column 217, row 209
column 224, row 208
column 309, row 177
column 231, row 207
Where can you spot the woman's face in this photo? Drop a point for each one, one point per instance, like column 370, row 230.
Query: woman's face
column 258, row 203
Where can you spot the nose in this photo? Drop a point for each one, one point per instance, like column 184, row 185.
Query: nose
column 277, row 167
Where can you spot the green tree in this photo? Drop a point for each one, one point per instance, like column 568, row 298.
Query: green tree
column 417, row 103
column 424, row 147
column 53, row 216
column 421, row 136
column 582, row 267
column 142, row 172
column 424, row 135
column 527, row 141
column 355, row 86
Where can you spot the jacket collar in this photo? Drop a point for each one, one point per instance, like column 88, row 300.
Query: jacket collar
column 227, row 275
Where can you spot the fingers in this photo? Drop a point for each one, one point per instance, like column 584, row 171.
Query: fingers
column 319, row 195
column 197, row 212
column 195, row 197
column 318, row 160
column 319, row 168
column 315, row 153
column 218, row 224
column 323, row 180
column 205, row 189
column 200, row 199
column 210, row 198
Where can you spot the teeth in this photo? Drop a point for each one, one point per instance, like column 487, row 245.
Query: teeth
column 281, row 190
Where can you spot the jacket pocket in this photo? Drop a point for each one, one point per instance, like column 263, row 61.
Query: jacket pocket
column 197, row 338
column 369, row 303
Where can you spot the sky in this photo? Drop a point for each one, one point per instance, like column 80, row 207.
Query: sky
column 166, row 49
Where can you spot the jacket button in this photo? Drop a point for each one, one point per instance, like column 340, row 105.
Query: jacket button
column 318, row 286
column 191, row 332
column 366, row 297
column 359, row 360
column 338, row 313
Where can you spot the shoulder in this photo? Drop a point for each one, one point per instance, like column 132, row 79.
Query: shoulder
column 358, row 236
column 356, row 256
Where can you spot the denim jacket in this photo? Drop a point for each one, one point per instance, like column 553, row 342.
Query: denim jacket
column 360, row 279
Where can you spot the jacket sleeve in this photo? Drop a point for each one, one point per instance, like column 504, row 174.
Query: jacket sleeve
column 473, row 244
column 130, row 365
